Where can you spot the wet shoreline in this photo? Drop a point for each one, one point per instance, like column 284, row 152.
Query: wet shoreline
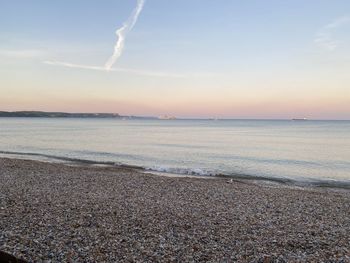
column 264, row 179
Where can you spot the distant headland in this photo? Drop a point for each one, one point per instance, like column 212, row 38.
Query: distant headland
column 43, row 114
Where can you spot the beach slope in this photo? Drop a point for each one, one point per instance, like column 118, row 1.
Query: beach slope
column 68, row 213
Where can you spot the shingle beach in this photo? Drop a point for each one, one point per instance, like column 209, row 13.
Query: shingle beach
column 51, row 212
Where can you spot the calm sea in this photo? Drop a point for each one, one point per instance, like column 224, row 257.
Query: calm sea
column 301, row 151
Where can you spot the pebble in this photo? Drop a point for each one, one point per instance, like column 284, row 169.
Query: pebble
column 58, row 213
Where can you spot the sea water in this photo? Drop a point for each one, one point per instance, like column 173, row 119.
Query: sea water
column 286, row 150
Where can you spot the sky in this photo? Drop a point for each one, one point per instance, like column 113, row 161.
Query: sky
column 186, row 58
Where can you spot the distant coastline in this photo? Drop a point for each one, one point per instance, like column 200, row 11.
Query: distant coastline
column 43, row 114
column 299, row 119
column 48, row 114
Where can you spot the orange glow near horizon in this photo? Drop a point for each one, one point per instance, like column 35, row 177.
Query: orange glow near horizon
column 282, row 95
column 282, row 109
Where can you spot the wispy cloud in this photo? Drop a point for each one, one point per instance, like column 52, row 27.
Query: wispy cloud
column 121, row 34
column 324, row 38
column 122, row 70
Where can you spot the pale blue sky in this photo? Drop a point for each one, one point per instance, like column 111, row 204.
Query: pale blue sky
column 253, row 53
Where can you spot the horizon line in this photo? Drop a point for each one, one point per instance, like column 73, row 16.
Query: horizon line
column 176, row 118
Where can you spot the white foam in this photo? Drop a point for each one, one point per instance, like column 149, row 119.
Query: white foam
column 183, row 171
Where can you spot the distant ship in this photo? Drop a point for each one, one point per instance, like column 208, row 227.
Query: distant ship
column 166, row 117
column 300, row 119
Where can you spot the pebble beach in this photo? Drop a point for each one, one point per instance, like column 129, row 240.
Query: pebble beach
column 52, row 212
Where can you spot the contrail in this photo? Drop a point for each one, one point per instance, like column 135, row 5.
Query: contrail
column 124, row 70
column 121, row 34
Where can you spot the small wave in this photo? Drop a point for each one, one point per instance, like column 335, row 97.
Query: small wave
column 305, row 182
column 72, row 159
column 183, row 171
